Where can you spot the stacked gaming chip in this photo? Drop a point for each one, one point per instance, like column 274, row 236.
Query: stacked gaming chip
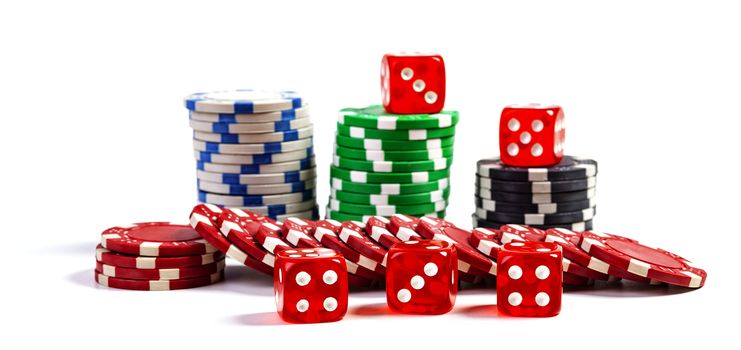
column 254, row 150
column 543, row 197
column 156, row 256
column 385, row 164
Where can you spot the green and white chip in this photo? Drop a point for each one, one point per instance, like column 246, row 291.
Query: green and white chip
column 375, row 117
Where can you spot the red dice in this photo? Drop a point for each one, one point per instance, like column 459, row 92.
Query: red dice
column 413, row 83
column 531, row 135
column 310, row 285
column 422, row 277
column 529, row 279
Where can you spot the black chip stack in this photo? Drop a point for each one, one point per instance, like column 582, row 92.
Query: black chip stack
column 562, row 195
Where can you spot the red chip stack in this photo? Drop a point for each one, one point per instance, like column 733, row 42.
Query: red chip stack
column 156, row 256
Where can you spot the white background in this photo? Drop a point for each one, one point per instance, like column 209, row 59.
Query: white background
column 94, row 134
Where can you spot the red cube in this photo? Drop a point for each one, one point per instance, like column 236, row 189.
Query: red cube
column 413, row 83
column 529, row 279
column 310, row 285
column 422, row 277
column 531, row 135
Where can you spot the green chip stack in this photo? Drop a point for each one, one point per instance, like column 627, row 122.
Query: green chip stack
column 385, row 164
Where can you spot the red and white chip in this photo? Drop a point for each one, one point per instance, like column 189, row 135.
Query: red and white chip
column 155, row 239
column 159, row 274
column 485, row 241
column 469, row 259
column 404, row 227
column 428, row 227
column 327, row 232
column 240, row 231
column 203, row 219
column 269, row 236
column 125, row 283
column 569, row 240
column 376, row 228
column 152, row 262
column 299, row 232
column 527, row 233
column 639, row 259
column 353, row 234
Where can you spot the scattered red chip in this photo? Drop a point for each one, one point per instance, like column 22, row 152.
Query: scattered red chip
column 155, row 239
column 244, row 216
column 203, row 219
column 568, row 240
column 467, row 255
column 404, row 227
column 124, row 283
column 159, row 274
column 353, row 234
column 653, row 263
column 327, row 233
column 525, row 232
column 428, row 227
column 485, row 241
column 299, row 232
column 269, row 236
column 376, row 228
column 240, row 231
column 152, row 262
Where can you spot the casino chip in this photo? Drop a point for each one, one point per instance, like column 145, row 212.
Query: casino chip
column 159, row 274
column 155, row 239
column 108, row 257
column 157, row 285
column 269, row 137
column 560, row 196
column 576, row 226
column 243, row 101
column 266, row 117
column 386, row 199
column 641, row 260
column 384, row 164
column 257, row 179
column 401, row 135
column 254, row 150
column 570, row 168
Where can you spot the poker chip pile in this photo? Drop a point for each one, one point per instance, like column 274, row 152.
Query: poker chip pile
column 385, row 164
column 254, row 150
column 559, row 196
column 156, row 256
column 589, row 256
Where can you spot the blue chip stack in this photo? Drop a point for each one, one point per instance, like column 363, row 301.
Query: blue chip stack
column 254, row 151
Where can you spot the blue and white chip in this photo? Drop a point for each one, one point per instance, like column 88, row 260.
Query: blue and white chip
column 257, row 179
column 252, row 190
column 241, row 169
column 280, row 136
column 250, row 128
column 223, row 158
column 269, row 117
column 253, row 148
column 256, row 201
column 243, row 101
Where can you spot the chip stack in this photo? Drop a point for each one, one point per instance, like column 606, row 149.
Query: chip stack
column 156, row 256
column 385, row 164
column 254, row 151
column 543, row 197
